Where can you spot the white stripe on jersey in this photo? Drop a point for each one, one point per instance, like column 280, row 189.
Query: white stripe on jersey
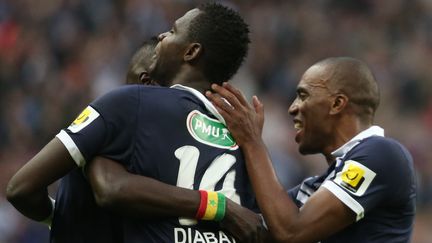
column 302, row 197
column 345, row 198
column 72, row 148
column 305, row 191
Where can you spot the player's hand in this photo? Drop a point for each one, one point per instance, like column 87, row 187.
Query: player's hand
column 244, row 121
column 243, row 224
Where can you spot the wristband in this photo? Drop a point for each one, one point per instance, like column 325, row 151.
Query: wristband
column 212, row 206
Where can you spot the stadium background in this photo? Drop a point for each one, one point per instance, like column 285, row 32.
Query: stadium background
column 57, row 55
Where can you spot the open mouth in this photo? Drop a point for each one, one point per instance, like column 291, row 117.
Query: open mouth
column 298, row 126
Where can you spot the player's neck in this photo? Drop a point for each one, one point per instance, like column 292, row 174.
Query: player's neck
column 194, row 80
column 343, row 131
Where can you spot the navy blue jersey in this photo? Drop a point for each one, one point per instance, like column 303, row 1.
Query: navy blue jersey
column 169, row 134
column 374, row 177
column 77, row 217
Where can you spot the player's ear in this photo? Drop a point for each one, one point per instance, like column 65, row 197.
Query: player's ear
column 339, row 103
column 144, row 77
column 193, row 51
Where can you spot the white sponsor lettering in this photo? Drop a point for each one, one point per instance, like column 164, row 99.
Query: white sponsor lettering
column 198, row 124
column 206, row 129
column 215, row 132
column 209, row 129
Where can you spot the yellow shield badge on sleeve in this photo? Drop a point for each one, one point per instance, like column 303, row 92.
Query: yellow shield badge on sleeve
column 86, row 117
column 355, row 177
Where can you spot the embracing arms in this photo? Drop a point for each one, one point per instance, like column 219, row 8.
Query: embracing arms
column 134, row 195
column 116, row 189
column 121, row 191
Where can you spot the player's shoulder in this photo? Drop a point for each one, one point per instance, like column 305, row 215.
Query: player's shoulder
column 134, row 89
column 119, row 93
column 381, row 153
column 383, row 146
column 121, row 100
column 160, row 91
column 132, row 93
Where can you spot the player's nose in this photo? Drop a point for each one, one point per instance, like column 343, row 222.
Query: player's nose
column 161, row 36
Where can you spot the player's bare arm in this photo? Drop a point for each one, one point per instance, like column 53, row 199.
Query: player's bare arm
column 321, row 216
column 27, row 190
column 137, row 196
column 124, row 192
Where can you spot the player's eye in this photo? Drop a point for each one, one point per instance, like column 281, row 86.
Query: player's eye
column 302, row 95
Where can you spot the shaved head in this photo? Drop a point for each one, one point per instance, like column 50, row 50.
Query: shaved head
column 353, row 78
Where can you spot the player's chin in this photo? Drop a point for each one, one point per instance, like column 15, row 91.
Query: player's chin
column 304, row 148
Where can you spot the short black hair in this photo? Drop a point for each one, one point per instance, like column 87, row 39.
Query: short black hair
column 140, row 60
column 224, row 37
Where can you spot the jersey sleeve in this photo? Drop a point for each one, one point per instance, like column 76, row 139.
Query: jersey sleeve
column 105, row 127
column 301, row 193
column 292, row 193
column 370, row 176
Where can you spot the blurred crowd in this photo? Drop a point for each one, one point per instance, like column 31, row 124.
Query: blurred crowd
column 58, row 55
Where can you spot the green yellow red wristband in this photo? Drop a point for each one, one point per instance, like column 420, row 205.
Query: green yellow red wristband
column 212, row 206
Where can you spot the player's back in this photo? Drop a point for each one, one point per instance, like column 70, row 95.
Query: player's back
column 179, row 142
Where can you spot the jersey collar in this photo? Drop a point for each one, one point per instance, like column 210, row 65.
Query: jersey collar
column 210, row 107
column 371, row 131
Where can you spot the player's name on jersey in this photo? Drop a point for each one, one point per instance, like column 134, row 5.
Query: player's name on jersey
column 189, row 235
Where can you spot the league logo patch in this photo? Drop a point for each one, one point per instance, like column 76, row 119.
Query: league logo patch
column 355, row 177
column 86, row 117
column 209, row 131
